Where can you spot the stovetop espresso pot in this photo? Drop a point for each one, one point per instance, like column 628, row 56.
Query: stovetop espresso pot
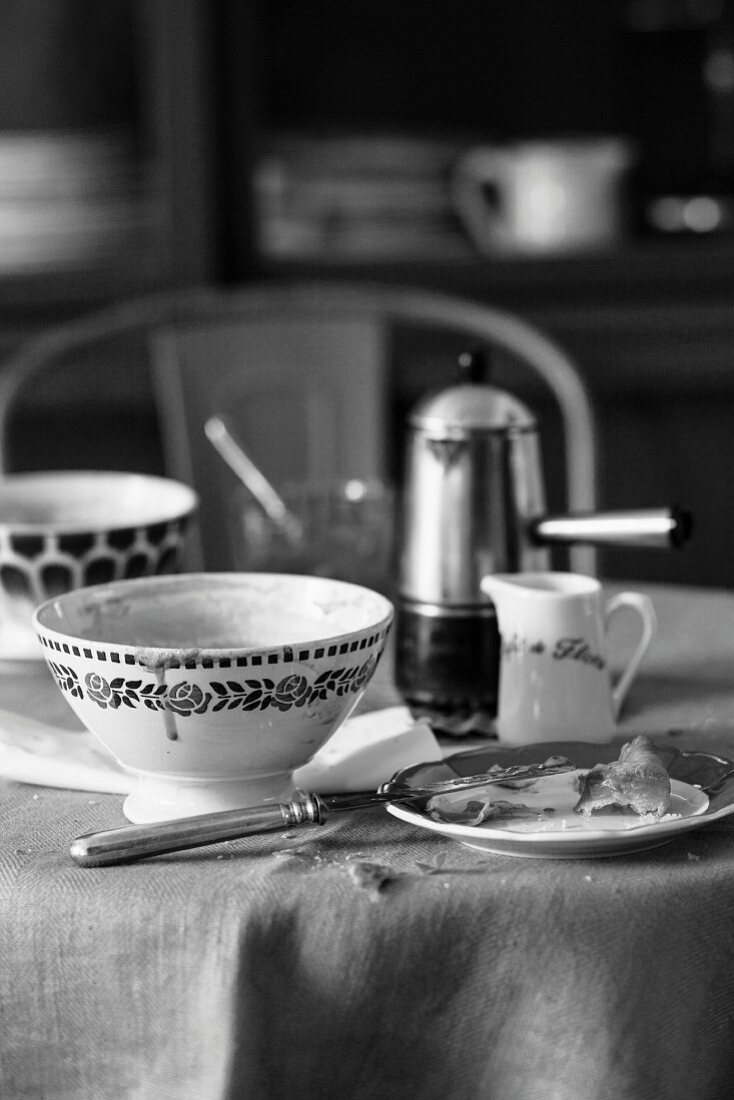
column 474, row 504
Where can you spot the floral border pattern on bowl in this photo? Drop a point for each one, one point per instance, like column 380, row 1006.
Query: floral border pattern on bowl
column 184, row 698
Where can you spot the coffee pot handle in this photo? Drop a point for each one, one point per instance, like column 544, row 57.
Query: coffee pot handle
column 654, row 527
column 643, row 605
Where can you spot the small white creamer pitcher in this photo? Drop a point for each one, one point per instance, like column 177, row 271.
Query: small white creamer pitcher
column 554, row 680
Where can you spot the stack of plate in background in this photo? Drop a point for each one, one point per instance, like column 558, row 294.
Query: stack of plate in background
column 357, row 197
column 68, row 199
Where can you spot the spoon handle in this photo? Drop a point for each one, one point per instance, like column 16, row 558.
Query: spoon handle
column 222, row 437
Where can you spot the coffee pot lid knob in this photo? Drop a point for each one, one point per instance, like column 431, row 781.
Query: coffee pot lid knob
column 471, row 404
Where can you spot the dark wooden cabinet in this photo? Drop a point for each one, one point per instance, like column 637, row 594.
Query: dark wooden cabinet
column 116, row 104
column 108, row 122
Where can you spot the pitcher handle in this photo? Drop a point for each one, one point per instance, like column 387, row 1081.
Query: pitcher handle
column 644, row 607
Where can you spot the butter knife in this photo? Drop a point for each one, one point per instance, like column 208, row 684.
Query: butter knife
column 134, row 842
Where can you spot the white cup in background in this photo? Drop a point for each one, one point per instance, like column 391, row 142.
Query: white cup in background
column 542, row 196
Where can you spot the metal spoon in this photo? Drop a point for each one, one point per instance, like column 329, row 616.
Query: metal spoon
column 133, row 842
column 223, row 439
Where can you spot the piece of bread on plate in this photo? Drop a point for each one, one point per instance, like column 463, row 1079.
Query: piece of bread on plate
column 638, row 781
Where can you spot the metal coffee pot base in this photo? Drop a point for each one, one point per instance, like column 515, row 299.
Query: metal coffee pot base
column 447, row 657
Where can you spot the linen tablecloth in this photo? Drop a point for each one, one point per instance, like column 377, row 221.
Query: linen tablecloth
column 365, row 958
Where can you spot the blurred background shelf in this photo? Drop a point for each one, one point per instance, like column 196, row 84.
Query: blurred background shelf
column 194, row 142
column 686, row 269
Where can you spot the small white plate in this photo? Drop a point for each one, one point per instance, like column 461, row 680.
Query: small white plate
column 562, row 834
column 554, row 837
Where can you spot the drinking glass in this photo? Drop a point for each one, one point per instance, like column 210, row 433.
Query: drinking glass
column 344, row 530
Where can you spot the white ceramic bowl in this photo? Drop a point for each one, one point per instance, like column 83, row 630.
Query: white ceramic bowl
column 213, row 687
column 66, row 529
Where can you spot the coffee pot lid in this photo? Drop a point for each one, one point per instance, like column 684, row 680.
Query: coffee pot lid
column 471, row 404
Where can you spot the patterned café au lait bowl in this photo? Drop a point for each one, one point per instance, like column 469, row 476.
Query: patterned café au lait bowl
column 213, row 688
column 66, row 529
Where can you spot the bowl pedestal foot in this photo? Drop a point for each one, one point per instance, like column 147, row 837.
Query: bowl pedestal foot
column 156, row 799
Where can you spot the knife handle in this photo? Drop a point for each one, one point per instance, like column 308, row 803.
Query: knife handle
column 131, row 842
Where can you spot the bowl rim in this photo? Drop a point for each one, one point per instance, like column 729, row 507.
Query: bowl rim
column 57, row 640
column 185, row 503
